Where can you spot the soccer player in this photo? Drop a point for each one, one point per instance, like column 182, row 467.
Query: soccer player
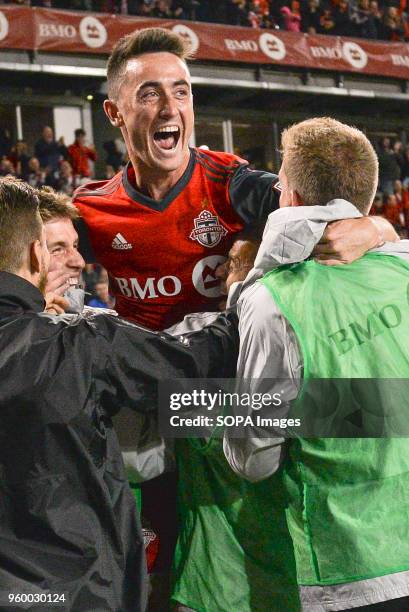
column 347, row 495
column 163, row 224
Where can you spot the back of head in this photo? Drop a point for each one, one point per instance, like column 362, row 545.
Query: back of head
column 324, row 159
column 20, row 222
column 147, row 40
column 55, row 205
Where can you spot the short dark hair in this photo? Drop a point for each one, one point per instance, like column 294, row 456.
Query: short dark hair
column 147, row 40
column 252, row 233
column 55, row 205
column 20, row 222
column 79, row 132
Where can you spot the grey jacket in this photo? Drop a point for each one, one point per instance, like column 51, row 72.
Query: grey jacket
column 269, row 350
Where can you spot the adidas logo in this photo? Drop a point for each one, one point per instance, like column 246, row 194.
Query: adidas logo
column 120, row 243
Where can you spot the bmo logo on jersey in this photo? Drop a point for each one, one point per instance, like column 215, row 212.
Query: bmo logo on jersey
column 151, row 288
column 204, row 276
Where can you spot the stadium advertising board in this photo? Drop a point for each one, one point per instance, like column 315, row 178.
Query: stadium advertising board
column 64, row 31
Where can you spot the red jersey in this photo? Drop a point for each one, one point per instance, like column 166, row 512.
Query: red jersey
column 162, row 255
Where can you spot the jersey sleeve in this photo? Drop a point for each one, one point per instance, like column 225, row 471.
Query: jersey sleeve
column 253, row 194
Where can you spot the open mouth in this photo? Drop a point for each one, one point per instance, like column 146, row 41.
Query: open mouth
column 167, row 137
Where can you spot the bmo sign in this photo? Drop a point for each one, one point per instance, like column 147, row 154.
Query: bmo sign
column 91, row 31
column 53, row 30
column 150, row 288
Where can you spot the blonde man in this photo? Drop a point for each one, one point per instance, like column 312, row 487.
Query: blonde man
column 347, row 495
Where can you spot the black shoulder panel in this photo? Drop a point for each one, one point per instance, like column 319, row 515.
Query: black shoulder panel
column 254, row 194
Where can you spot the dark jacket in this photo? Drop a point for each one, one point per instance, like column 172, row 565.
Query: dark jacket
column 68, row 522
column 49, row 154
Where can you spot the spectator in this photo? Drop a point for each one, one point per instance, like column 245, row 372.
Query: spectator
column 185, row 9
column 254, row 15
column 36, row 176
column 48, row 151
column 291, row 18
column 398, row 192
column 341, row 18
column 236, row 13
column 64, row 179
column 376, row 17
column 80, row 155
column 359, row 17
column 116, row 152
column 377, row 206
column 399, row 153
column 393, row 211
column 310, row 17
column 91, row 275
column 5, row 142
column 393, row 25
column 389, row 170
column 405, row 168
column 162, row 10
column 6, row 167
column 402, row 197
column 102, row 299
column 19, row 158
column 327, row 21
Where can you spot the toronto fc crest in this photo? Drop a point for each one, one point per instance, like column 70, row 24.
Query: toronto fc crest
column 208, row 231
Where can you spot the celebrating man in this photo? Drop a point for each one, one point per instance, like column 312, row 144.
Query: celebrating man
column 69, row 532
column 347, row 325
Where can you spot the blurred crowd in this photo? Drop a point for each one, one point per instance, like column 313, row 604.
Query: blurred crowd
column 376, row 19
column 51, row 162
column 392, row 199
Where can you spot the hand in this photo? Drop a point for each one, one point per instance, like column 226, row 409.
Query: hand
column 345, row 241
column 57, row 281
column 55, row 304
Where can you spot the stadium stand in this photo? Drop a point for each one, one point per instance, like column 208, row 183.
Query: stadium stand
column 373, row 19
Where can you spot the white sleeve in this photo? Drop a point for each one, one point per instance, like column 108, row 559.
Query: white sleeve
column 269, row 362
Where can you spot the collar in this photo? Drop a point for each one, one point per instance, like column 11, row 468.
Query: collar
column 158, row 205
column 291, row 234
column 18, row 294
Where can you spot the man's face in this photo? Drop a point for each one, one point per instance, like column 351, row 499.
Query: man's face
column 156, row 105
column 62, row 242
column 239, row 262
column 48, row 134
column 34, row 164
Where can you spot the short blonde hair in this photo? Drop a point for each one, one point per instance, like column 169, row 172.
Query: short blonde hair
column 325, row 159
column 55, row 205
